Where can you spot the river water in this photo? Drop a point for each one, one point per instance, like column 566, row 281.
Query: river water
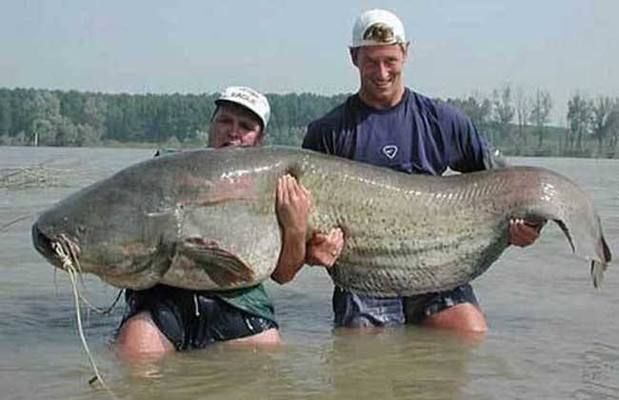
column 552, row 335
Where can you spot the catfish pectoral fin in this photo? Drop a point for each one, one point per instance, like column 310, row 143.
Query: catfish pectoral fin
column 222, row 266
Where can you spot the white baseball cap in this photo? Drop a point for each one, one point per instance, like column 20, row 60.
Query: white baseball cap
column 248, row 98
column 377, row 28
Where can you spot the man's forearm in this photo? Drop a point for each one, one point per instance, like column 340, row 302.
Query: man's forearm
column 291, row 257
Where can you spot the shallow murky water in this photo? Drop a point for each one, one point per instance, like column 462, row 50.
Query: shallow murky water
column 552, row 335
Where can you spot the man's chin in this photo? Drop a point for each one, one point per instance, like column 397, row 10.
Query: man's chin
column 383, row 88
column 385, row 94
column 382, row 91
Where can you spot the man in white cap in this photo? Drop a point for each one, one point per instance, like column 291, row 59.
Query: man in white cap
column 243, row 106
column 387, row 124
column 164, row 319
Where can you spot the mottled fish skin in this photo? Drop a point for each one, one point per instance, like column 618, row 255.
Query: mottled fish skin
column 205, row 219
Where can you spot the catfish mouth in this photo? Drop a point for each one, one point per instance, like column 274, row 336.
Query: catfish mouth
column 57, row 251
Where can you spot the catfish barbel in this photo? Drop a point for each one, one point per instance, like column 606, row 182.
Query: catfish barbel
column 206, row 219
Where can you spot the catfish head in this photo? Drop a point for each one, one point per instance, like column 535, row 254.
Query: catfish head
column 96, row 233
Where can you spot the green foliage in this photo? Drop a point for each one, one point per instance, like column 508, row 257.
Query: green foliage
column 72, row 118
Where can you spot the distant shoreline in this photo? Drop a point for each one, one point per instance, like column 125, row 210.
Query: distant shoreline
column 155, row 147
column 517, row 125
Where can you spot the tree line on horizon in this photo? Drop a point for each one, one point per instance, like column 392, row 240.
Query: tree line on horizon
column 513, row 121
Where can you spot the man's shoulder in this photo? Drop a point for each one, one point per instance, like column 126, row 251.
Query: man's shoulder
column 450, row 110
column 434, row 105
column 443, row 111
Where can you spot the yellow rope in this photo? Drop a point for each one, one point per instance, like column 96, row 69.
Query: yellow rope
column 68, row 265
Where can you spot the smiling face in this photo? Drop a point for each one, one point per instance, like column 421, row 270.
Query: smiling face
column 234, row 125
column 380, row 72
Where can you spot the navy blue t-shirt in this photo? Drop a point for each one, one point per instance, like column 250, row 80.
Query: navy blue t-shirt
column 418, row 135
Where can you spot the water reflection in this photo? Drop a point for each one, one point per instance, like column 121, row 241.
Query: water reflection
column 394, row 364
column 551, row 334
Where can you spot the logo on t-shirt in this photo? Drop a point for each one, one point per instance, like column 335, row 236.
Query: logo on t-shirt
column 390, row 151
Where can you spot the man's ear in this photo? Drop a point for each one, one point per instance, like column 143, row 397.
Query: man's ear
column 353, row 55
column 260, row 139
column 405, row 50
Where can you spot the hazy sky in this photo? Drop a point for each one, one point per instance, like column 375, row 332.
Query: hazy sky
column 458, row 46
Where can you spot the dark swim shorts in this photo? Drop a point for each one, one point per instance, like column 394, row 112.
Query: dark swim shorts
column 192, row 319
column 354, row 310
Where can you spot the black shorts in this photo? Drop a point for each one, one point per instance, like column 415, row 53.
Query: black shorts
column 192, row 319
column 354, row 310
column 417, row 308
